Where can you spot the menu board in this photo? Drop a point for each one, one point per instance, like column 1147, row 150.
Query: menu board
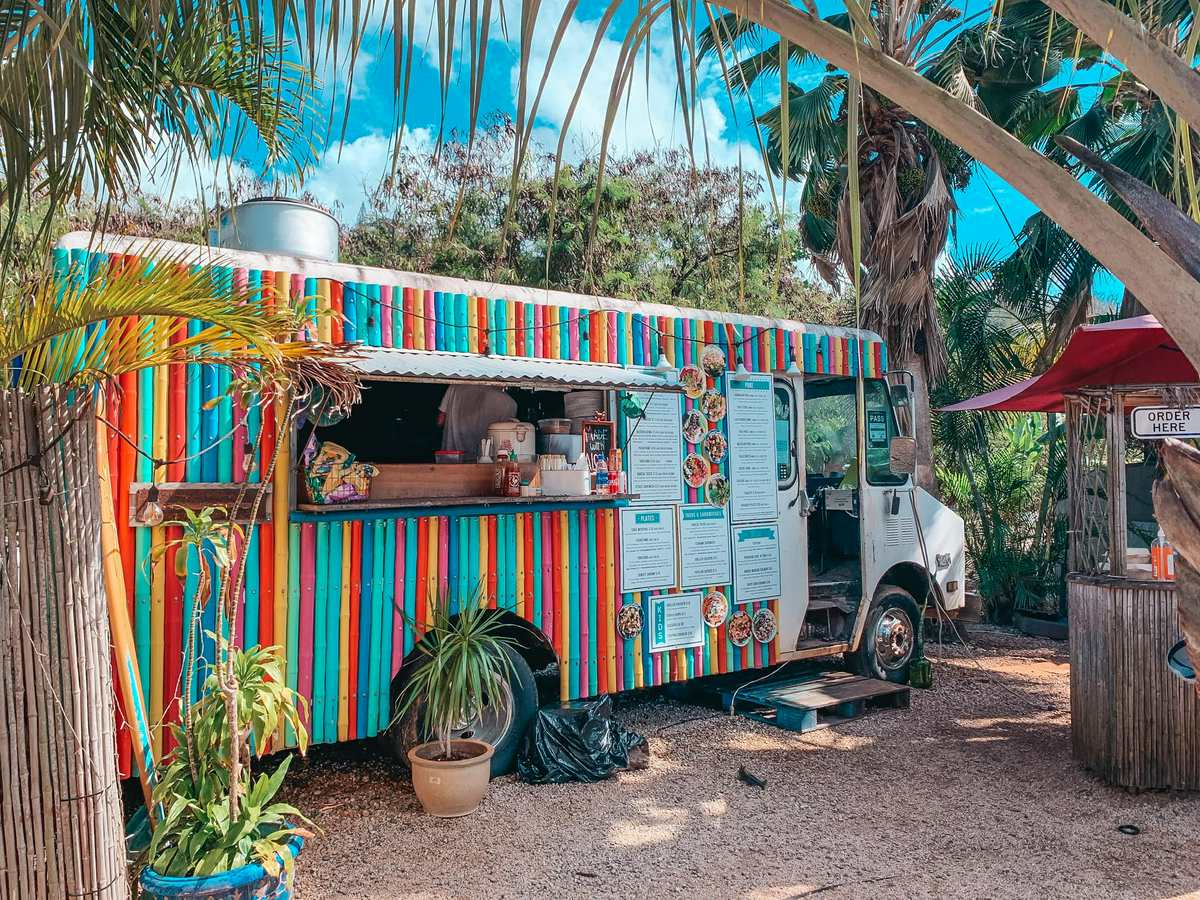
column 755, row 563
column 648, row 550
column 752, row 448
column 675, row 622
column 654, row 449
column 704, row 555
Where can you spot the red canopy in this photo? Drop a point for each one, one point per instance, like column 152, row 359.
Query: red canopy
column 1122, row 352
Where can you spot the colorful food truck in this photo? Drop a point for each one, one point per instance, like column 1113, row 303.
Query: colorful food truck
column 696, row 492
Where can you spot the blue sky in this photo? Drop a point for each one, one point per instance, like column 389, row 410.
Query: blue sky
column 989, row 209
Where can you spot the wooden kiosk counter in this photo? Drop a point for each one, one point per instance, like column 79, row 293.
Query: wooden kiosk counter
column 1135, row 721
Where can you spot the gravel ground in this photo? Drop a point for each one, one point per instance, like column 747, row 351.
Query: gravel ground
column 972, row 792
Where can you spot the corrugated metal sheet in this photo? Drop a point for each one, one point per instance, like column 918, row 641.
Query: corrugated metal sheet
column 424, row 365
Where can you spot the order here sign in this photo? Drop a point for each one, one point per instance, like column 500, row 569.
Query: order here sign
column 1150, row 422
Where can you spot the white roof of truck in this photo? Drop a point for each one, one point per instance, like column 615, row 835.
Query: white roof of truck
column 314, row 268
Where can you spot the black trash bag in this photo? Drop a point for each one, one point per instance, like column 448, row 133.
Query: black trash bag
column 578, row 741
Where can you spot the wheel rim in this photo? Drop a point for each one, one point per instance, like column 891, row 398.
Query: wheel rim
column 494, row 720
column 894, row 639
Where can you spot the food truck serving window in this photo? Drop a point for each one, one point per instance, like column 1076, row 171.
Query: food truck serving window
column 516, row 428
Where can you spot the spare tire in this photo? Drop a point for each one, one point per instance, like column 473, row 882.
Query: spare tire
column 503, row 724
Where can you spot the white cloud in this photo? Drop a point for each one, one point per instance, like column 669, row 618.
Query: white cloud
column 650, row 113
column 344, row 176
column 203, row 179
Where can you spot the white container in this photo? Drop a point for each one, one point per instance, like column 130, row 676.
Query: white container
column 568, row 445
column 278, row 225
column 567, row 483
column 513, row 437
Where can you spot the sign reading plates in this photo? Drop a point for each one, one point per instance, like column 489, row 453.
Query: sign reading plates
column 675, row 622
column 654, row 449
column 752, row 463
column 755, row 563
column 1157, row 422
column 647, row 548
column 704, row 554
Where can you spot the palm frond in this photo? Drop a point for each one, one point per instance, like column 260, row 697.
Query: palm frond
column 87, row 88
column 84, row 326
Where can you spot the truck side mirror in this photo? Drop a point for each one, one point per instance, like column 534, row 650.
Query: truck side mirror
column 901, row 395
column 902, row 455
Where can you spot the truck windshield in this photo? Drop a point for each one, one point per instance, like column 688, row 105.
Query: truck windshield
column 830, row 447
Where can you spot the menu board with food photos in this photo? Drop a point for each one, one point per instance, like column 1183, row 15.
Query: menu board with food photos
column 653, row 449
column 752, row 460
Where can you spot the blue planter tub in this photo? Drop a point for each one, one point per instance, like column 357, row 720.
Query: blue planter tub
column 245, row 883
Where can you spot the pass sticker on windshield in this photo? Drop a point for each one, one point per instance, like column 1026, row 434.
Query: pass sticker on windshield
column 877, row 431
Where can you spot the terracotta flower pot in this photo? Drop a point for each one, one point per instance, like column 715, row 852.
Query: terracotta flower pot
column 451, row 787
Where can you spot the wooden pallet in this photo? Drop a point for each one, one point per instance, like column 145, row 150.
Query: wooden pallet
column 809, row 703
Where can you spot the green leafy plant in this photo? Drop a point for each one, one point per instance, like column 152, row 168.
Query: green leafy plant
column 217, row 815
column 463, row 664
column 201, row 832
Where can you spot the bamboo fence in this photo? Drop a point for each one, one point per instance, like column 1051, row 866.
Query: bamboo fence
column 61, row 830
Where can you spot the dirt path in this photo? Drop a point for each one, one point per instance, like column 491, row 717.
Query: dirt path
column 970, row 793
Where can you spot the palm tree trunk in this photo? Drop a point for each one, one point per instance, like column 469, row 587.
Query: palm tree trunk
column 922, row 423
column 61, row 831
column 1162, row 285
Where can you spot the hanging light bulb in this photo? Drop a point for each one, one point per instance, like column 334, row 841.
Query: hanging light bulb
column 792, row 368
column 741, row 374
column 151, row 512
column 663, row 364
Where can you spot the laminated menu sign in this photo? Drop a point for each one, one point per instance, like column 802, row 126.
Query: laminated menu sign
column 755, row 563
column 653, row 449
column 647, row 548
column 704, row 554
column 752, row 462
column 675, row 621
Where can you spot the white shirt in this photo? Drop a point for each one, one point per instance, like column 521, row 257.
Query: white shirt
column 470, row 409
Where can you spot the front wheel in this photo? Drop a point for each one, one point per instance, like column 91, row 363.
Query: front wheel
column 502, row 723
column 891, row 638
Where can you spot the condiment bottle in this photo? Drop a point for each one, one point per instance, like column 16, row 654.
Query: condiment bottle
column 512, row 478
column 1162, row 558
column 499, row 475
column 601, row 474
column 616, row 475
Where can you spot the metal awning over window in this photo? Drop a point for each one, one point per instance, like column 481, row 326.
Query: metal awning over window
column 541, row 374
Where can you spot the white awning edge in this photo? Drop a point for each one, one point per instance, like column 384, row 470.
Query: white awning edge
column 436, row 366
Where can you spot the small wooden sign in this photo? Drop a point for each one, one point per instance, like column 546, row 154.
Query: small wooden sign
column 176, row 496
column 598, row 438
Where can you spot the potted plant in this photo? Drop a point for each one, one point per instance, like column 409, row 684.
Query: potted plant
column 219, row 832
column 463, row 664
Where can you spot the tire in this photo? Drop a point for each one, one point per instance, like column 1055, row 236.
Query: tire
column 891, row 637
column 504, row 732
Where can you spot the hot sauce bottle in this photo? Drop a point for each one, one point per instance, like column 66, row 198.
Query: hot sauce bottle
column 512, row 478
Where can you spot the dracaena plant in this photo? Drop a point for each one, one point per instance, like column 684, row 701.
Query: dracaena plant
column 217, row 815
column 463, row 664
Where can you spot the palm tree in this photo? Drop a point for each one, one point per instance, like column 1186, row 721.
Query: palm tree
column 88, row 93
column 63, row 346
column 907, row 170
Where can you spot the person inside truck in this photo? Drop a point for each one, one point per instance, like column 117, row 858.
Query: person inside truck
column 467, row 410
